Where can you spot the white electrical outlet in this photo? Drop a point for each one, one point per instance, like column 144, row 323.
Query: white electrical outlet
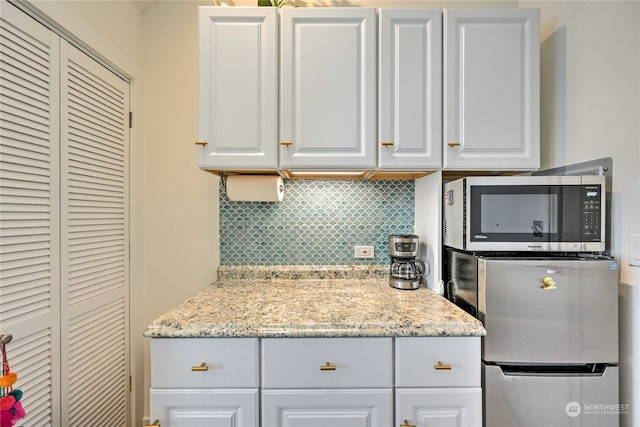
column 364, row 252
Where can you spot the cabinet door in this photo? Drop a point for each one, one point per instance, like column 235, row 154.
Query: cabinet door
column 335, row 408
column 442, row 407
column 328, row 88
column 200, row 408
column 238, row 87
column 492, row 89
column 410, row 118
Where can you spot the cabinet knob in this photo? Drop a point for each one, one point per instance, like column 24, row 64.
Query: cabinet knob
column 203, row 143
column 441, row 366
column 286, row 143
column 328, row 367
column 454, row 144
column 406, row 424
column 156, row 423
column 388, row 143
column 200, row 368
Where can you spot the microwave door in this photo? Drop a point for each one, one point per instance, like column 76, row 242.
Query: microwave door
column 524, row 217
column 529, row 215
column 521, row 216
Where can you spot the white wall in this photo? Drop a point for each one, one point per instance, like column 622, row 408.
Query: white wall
column 181, row 201
column 181, row 239
column 590, row 108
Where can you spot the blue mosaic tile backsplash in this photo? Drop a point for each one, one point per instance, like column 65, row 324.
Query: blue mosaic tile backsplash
column 318, row 223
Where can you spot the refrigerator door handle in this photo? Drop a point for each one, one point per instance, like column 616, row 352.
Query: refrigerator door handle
column 583, row 370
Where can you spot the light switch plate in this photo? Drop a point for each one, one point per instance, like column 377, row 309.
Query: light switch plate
column 634, row 249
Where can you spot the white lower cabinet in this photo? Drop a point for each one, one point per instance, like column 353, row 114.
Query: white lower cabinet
column 205, row 407
column 338, row 382
column 327, row 407
column 198, row 382
column 439, row 407
column 438, row 382
column 308, row 382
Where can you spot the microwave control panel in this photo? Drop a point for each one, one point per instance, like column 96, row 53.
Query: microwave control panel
column 591, row 212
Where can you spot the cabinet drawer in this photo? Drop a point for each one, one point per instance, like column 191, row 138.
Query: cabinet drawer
column 302, row 362
column 229, row 362
column 438, row 362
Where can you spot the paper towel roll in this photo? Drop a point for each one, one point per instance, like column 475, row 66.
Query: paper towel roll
column 255, row 188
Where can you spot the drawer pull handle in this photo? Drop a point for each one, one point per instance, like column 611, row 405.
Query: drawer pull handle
column 286, row 143
column 203, row 143
column 442, row 366
column 156, row 423
column 388, row 143
column 201, row 368
column 454, row 144
column 406, row 424
column 328, row 367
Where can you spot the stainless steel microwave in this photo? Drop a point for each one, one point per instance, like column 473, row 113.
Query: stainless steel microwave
column 525, row 213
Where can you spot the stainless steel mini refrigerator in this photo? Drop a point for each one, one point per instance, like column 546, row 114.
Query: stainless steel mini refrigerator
column 550, row 356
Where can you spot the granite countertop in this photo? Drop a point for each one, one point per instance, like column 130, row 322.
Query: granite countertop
column 354, row 301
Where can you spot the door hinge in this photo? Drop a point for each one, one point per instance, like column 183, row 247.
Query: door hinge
column 130, row 382
column 130, row 119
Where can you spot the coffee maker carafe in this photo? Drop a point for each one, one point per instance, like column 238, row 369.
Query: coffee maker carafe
column 406, row 269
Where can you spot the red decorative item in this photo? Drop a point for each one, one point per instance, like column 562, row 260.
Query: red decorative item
column 11, row 409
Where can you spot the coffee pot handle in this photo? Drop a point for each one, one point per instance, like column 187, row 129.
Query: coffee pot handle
column 421, row 268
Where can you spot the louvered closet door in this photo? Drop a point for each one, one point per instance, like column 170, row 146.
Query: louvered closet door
column 95, row 249
column 29, row 239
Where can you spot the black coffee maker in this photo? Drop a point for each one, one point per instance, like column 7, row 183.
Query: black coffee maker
column 406, row 269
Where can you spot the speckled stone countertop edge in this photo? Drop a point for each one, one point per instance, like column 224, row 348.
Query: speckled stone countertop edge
column 308, row 301
column 168, row 331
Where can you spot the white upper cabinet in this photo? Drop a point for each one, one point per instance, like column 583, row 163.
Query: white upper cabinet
column 328, row 88
column 491, row 89
column 468, row 101
column 410, row 89
column 238, row 88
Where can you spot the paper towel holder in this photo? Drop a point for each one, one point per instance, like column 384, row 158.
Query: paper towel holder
column 253, row 187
